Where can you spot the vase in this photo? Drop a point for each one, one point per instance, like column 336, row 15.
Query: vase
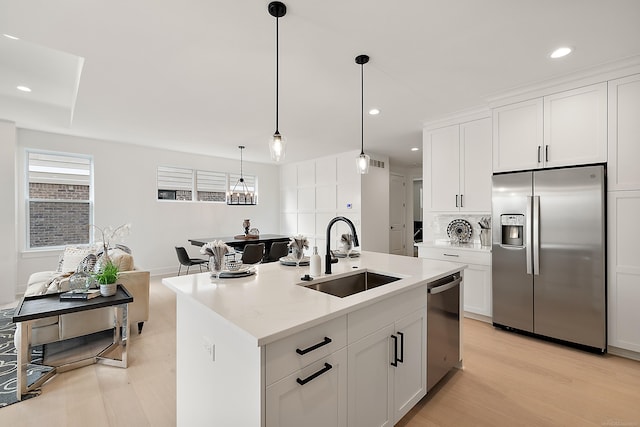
column 485, row 237
column 108, row 289
column 246, row 224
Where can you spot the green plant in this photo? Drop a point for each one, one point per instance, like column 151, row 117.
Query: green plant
column 108, row 274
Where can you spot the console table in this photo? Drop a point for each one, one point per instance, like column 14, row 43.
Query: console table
column 40, row 306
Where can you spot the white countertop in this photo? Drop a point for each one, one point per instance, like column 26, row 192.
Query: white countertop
column 271, row 305
column 446, row 243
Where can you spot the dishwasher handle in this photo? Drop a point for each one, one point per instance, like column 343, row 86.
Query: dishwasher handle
column 444, row 287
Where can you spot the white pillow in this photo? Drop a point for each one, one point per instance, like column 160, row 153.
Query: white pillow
column 73, row 256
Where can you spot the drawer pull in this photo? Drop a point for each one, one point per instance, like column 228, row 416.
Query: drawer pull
column 326, row 341
column 454, row 255
column 326, row 368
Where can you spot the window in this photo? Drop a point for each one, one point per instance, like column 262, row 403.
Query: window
column 59, row 199
column 212, row 186
column 183, row 184
column 175, row 183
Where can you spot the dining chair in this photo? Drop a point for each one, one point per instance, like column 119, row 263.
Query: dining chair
column 253, row 253
column 277, row 251
column 184, row 259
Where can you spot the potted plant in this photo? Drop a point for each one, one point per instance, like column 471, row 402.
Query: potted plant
column 107, row 277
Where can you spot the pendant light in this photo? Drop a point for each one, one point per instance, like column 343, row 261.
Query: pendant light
column 278, row 144
column 240, row 194
column 362, row 162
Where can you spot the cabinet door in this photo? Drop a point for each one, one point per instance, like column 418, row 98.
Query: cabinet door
column 370, row 380
column 477, row 289
column 517, row 136
column 320, row 402
column 410, row 376
column 624, row 134
column 624, row 270
column 475, row 166
column 442, row 169
column 575, row 126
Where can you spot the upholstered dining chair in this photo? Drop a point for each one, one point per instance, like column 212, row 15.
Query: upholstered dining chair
column 277, row 251
column 184, row 259
column 253, row 253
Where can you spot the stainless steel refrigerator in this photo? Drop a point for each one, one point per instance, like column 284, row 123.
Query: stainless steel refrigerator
column 548, row 254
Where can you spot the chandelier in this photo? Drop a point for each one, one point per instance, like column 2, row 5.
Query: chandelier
column 240, row 194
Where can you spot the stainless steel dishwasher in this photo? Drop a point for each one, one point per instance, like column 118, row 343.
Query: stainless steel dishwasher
column 443, row 327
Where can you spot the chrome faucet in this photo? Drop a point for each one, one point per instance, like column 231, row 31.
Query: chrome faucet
column 327, row 257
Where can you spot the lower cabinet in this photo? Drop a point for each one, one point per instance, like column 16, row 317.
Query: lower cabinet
column 477, row 277
column 372, row 379
column 313, row 397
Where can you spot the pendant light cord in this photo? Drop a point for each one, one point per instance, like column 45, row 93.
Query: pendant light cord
column 277, row 71
column 362, row 109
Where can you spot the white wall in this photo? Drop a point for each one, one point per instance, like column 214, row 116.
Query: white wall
column 8, row 254
column 125, row 191
column 375, row 206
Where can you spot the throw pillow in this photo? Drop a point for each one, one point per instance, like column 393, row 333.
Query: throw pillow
column 123, row 260
column 73, row 256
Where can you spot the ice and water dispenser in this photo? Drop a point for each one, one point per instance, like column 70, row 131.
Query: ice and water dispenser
column 512, row 230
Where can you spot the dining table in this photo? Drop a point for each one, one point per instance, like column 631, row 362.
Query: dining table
column 237, row 242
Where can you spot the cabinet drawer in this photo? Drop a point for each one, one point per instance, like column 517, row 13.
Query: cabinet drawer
column 456, row 255
column 299, row 350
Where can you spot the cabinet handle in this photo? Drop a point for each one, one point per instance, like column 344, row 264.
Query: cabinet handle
column 453, row 255
column 326, row 368
column 457, row 201
column 326, row 341
column 461, row 201
column 395, row 351
column 401, row 358
column 546, row 153
column 539, row 153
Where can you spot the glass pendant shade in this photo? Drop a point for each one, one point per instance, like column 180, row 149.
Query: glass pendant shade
column 277, row 147
column 362, row 163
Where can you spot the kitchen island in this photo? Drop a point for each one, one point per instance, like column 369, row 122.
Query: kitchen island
column 264, row 350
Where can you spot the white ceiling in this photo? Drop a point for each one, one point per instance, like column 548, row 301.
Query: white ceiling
column 199, row 76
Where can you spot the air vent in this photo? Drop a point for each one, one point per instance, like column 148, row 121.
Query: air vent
column 376, row 163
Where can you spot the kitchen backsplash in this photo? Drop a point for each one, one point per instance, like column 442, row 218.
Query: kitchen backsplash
column 435, row 226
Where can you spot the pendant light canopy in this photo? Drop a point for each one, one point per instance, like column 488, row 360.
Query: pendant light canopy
column 362, row 162
column 278, row 144
column 240, row 194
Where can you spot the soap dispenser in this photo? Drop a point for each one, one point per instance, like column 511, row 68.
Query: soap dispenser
column 314, row 263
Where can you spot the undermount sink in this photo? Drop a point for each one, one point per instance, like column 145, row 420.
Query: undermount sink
column 352, row 284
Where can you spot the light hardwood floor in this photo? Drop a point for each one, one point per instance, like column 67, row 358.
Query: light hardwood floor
column 508, row 380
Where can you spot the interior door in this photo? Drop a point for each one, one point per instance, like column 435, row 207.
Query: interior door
column 397, row 215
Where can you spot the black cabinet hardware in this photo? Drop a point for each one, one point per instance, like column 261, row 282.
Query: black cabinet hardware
column 326, row 341
column 326, row 368
column 539, row 154
column 457, row 201
column 401, row 358
column 546, row 153
column 395, row 350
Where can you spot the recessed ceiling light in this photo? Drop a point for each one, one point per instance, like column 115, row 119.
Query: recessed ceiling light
column 560, row 52
column 374, row 112
column 10, row 37
column 23, row 88
column 415, row 149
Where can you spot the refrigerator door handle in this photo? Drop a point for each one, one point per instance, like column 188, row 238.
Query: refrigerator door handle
column 527, row 236
column 536, row 235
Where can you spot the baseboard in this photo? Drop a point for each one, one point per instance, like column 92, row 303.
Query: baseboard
column 479, row 317
column 616, row 351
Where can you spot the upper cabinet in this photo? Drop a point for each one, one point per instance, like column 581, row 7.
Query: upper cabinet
column 562, row 129
column 624, row 134
column 457, row 167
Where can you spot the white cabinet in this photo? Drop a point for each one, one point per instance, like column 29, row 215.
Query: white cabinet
column 624, row 134
column 314, row 396
column 624, row 270
column 387, row 359
column 560, row 129
column 477, row 277
column 306, row 377
column 458, row 167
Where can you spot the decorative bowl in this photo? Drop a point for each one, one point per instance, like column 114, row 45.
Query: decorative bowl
column 233, row 265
